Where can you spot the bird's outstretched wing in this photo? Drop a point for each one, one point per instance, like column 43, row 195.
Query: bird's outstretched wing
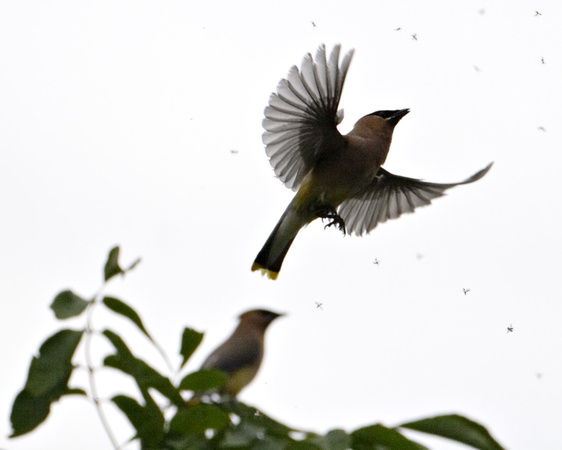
column 389, row 196
column 302, row 116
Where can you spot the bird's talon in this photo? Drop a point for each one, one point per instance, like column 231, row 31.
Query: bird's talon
column 338, row 222
column 336, row 219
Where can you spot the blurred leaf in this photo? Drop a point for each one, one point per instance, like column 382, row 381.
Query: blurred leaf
column 67, row 304
column 187, row 441
column 333, row 440
column 242, row 435
column 456, row 428
column 47, row 381
column 197, row 419
column 271, row 426
column 76, row 391
column 203, row 380
column 53, row 367
column 119, row 307
column 373, row 436
column 258, row 419
column 190, row 340
column 269, row 443
column 254, row 430
column 145, row 376
column 303, row 445
column 112, row 267
column 147, row 420
column 28, row 412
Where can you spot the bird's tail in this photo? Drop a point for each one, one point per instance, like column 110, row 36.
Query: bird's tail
column 271, row 256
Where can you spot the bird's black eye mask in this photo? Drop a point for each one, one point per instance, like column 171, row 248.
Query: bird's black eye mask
column 384, row 114
column 392, row 117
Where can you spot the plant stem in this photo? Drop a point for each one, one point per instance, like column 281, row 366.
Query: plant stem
column 173, row 373
column 93, row 386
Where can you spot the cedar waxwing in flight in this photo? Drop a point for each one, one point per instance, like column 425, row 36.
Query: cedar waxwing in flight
column 240, row 356
column 336, row 177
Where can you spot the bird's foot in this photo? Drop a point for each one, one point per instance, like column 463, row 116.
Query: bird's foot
column 337, row 221
column 328, row 212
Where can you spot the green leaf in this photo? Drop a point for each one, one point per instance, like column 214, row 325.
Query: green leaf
column 333, row 440
column 47, row 381
column 456, row 428
column 190, row 340
column 67, row 304
column 258, row 419
column 371, row 437
column 52, row 369
column 146, row 419
column 337, row 440
column 76, row 391
column 242, row 435
column 28, row 412
column 269, row 443
column 203, row 380
column 119, row 307
column 191, row 442
column 197, row 419
column 112, row 267
column 119, row 344
column 254, row 430
column 145, row 376
column 302, row 445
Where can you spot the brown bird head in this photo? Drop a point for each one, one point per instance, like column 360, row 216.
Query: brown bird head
column 377, row 127
column 392, row 117
column 259, row 318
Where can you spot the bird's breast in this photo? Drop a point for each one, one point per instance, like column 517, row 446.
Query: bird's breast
column 332, row 181
column 240, row 379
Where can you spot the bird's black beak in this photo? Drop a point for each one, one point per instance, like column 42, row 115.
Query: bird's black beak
column 395, row 118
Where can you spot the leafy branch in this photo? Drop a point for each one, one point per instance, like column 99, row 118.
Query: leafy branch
column 179, row 423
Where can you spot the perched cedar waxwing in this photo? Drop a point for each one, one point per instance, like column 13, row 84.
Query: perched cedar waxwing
column 337, row 177
column 240, row 356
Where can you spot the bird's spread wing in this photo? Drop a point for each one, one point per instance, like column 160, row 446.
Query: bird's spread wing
column 389, row 196
column 302, row 116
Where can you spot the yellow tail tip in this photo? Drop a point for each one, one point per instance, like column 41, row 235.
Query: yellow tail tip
column 270, row 274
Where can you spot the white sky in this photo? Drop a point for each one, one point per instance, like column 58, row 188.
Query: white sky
column 117, row 121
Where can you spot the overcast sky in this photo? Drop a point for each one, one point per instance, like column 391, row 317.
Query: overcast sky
column 138, row 123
